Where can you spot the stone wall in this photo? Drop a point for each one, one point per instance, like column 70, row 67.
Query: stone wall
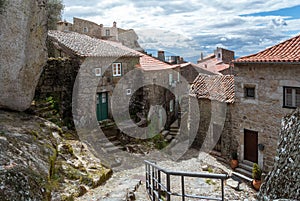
column 86, row 27
column 23, row 51
column 108, row 82
column 283, row 182
column 189, row 73
column 264, row 112
column 215, row 124
column 226, row 55
column 57, row 80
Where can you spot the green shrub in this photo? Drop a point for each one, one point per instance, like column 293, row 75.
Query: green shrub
column 256, row 172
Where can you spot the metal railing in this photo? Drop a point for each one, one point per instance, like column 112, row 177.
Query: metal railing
column 159, row 190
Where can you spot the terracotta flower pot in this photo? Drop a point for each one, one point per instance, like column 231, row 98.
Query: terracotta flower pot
column 234, row 164
column 256, row 184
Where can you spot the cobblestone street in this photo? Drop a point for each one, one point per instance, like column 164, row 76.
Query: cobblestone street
column 130, row 184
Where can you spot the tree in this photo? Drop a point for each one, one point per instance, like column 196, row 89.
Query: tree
column 55, row 8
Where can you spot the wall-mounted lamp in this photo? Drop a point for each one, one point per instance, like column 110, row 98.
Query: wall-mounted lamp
column 261, row 147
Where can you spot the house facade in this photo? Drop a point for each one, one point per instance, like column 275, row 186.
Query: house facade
column 215, row 98
column 102, row 63
column 267, row 87
column 191, row 71
column 109, row 64
column 127, row 37
column 219, row 62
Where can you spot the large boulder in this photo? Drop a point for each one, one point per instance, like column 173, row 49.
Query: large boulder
column 23, row 33
column 283, row 182
column 40, row 161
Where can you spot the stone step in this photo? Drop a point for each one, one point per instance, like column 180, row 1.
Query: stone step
column 215, row 153
column 244, row 172
column 165, row 133
column 173, row 133
column 114, row 149
column 111, row 144
column 245, row 167
column 169, row 138
column 241, row 176
column 249, row 163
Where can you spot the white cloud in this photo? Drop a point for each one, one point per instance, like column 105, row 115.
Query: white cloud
column 189, row 27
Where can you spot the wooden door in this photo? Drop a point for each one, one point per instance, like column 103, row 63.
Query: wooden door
column 102, row 106
column 250, row 145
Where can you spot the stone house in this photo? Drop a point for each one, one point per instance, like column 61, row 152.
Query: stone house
column 127, row 37
column 190, row 71
column 219, row 62
column 267, row 87
column 107, row 64
column 104, row 65
column 215, row 98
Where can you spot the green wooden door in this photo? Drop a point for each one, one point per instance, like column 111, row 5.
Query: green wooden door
column 102, row 106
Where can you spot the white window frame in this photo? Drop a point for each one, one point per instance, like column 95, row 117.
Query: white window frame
column 117, row 69
column 98, row 72
column 85, row 30
column 107, row 32
column 290, row 99
column 128, row 92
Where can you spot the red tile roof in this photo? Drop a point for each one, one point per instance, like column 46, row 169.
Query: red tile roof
column 287, row 51
column 147, row 62
column 214, row 87
column 213, row 64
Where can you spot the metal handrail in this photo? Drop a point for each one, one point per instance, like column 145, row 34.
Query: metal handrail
column 155, row 188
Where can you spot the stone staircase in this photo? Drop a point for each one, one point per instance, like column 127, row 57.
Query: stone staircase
column 244, row 170
column 173, row 132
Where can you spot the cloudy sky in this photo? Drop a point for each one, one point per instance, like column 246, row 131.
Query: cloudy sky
column 187, row 28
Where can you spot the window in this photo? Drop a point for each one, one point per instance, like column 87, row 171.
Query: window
column 117, row 69
column 128, row 92
column 170, row 79
column 107, row 32
column 291, row 97
column 250, row 92
column 98, row 72
column 85, row 30
column 171, row 105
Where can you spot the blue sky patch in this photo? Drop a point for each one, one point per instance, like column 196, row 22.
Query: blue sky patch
column 292, row 13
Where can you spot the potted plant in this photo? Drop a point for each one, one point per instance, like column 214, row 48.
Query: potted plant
column 256, row 175
column 234, row 160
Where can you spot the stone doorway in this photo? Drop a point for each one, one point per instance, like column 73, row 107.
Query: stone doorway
column 250, row 145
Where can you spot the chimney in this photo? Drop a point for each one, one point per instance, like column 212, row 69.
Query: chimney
column 161, row 55
column 201, row 55
column 115, row 24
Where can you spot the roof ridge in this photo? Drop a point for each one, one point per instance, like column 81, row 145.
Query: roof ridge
column 279, row 51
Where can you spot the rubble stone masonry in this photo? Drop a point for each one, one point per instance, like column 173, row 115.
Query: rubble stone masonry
column 264, row 112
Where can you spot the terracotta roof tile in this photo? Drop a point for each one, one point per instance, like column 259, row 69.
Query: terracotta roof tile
column 214, row 87
column 147, row 62
column 213, row 64
column 287, row 51
column 86, row 46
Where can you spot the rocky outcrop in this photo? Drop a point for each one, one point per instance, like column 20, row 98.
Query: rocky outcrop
column 39, row 161
column 283, row 182
column 23, row 51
